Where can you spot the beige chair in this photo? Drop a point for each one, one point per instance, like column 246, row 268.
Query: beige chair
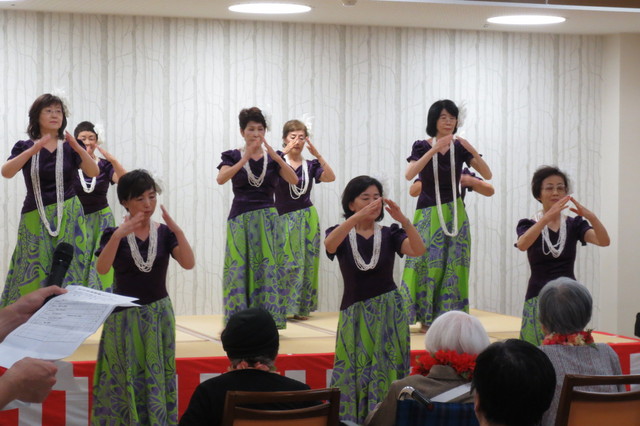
column 323, row 414
column 585, row 408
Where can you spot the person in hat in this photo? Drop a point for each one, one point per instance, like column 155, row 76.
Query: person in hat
column 251, row 342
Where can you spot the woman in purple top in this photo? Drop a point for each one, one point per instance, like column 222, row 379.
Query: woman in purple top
column 439, row 281
column 300, row 220
column 372, row 345
column 135, row 376
column 51, row 212
column 550, row 238
column 92, row 192
column 253, row 267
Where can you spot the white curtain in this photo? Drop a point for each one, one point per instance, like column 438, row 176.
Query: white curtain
column 168, row 92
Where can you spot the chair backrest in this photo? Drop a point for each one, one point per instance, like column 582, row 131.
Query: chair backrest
column 584, row 408
column 323, row 413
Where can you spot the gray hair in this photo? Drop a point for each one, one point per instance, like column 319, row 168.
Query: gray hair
column 564, row 306
column 456, row 331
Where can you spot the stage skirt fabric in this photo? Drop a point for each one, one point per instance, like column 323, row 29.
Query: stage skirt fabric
column 302, row 253
column 372, row 350
column 531, row 329
column 96, row 223
column 254, row 265
column 31, row 260
column 438, row 281
column 135, row 376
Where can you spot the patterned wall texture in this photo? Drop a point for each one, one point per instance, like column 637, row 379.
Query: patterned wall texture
column 169, row 90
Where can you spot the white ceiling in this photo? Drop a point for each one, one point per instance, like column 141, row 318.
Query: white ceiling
column 397, row 13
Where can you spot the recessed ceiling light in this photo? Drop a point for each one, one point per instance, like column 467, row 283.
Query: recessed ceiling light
column 526, row 20
column 269, row 8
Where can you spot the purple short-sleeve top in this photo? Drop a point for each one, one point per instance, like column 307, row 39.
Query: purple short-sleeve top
column 247, row 197
column 149, row 286
column 285, row 203
column 95, row 200
column 545, row 267
column 361, row 285
column 428, row 196
column 47, row 173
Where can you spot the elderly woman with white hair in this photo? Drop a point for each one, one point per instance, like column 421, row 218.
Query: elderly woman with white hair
column 453, row 342
column 565, row 308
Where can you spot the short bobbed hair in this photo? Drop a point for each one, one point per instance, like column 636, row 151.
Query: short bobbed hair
column 44, row 101
column 456, row 331
column 354, row 188
column 434, row 115
column 514, row 382
column 251, row 114
column 85, row 126
column 541, row 174
column 134, row 183
column 293, row 126
column 564, row 306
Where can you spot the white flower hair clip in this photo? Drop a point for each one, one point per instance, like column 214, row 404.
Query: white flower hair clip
column 307, row 120
column 62, row 94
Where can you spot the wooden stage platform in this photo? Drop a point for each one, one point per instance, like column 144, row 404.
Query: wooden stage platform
column 199, row 336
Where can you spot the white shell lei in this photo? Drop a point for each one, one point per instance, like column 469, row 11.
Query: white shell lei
column 436, row 178
column 377, row 243
column 87, row 188
column 556, row 249
column 37, row 189
column 253, row 179
column 297, row 191
column 144, row 266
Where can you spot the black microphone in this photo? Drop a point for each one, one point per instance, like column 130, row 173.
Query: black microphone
column 62, row 257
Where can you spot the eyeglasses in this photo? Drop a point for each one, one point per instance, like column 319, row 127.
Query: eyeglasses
column 52, row 111
column 551, row 188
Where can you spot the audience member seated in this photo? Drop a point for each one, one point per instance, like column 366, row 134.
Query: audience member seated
column 453, row 341
column 514, row 383
column 565, row 306
column 251, row 342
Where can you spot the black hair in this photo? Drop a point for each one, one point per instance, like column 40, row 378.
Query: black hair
column 434, row 115
column 44, row 101
column 251, row 114
column 354, row 188
column 541, row 174
column 515, row 383
column 134, row 183
column 85, row 126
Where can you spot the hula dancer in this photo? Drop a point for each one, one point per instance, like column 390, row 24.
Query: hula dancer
column 372, row 345
column 300, row 221
column 92, row 192
column 253, row 266
column 51, row 212
column 135, row 377
column 438, row 281
column 550, row 238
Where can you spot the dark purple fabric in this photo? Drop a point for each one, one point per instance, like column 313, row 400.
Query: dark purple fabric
column 422, row 198
column 361, row 285
column 150, row 286
column 545, row 268
column 70, row 167
column 284, row 202
column 97, row 199
column 247, row 198
column 428, row 196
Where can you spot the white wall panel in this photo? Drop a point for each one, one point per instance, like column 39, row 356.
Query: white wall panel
column 169, row 91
